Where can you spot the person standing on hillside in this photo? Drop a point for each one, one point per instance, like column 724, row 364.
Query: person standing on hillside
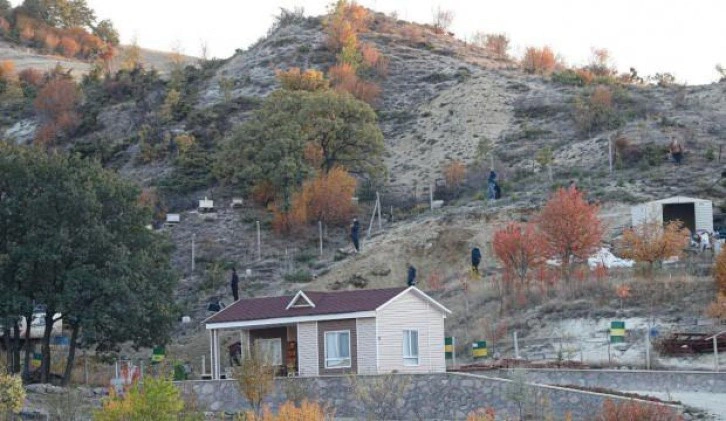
column 411, row 276
column 234, row 283
column 355, row 234
column 475, row 259
column 492, row 186
column 676, row 150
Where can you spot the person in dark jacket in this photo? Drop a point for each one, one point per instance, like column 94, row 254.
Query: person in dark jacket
column 411, row 276
column 235, row 284
column 235, row 353
column 492, row 186
column 475, row 259
column 355, row 234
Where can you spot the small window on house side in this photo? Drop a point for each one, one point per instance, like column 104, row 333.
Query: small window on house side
column 271, row 350
column 410, row 347
column 337, row 349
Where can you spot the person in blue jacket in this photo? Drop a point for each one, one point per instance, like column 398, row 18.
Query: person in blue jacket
column 411, row 275
column 475, row 259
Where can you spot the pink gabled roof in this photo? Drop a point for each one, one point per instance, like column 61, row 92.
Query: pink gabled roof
column 325, row 303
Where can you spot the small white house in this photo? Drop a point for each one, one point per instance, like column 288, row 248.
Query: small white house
column 696, row 214
column 348, row 332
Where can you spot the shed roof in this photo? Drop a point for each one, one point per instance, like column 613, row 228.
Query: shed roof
column 679, row 199
column 325, row 303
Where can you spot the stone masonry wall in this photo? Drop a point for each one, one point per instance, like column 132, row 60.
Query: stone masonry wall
column 441, row 396
column 636, row 380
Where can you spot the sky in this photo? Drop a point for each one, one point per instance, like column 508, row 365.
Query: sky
column 686, row 39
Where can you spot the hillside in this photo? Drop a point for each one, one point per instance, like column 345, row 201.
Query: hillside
column 27, row 58
column 441, row 99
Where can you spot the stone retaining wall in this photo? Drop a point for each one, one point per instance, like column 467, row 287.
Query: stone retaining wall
column 442, row 396
column 623, row 380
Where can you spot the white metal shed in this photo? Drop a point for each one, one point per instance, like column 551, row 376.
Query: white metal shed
column 696, row 214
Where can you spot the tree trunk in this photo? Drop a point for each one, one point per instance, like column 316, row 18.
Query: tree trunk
column 71, row 355
column 6, row 345
column 28, row 344
column 16, row 346
column 45, row 347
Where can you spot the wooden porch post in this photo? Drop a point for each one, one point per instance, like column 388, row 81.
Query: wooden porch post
column 217, row 365
column 211, row 354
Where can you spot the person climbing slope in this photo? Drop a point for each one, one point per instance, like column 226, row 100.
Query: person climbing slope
column 475, row 259
column 355, row 234
column 411, row 276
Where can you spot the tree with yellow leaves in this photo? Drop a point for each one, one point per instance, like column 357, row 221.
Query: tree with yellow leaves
column 651, row 242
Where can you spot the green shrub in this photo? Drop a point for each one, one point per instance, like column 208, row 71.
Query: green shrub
column 710, row 153
column 12, row 394
column 158, row 399
column 568, row 77
column 299, row 276
column 305, row 257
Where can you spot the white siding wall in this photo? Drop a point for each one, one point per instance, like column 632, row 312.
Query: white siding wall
column 307, row 348
column 704, row 216
column 646, row 212
column 366, row 336
column 410, row 312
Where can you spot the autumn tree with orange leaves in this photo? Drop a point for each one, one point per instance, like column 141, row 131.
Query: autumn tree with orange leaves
column 56, row 105
column 718, row 307
column 651, row 242
column 519, row 247
column 327, row 198
column 570, row 227
column 539, row 60
column 346, row 20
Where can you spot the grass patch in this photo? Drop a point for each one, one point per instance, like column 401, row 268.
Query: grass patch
column 299, row 276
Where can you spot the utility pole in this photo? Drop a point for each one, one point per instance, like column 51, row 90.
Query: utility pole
column 378, row 205
column 431, row 197
column 259, row 249
column 610, row 153
column 193, row 256
column 647, row 349
column 320, row 232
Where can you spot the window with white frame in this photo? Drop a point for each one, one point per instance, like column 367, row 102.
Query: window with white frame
column 410, row 347
column 270, row 350
column 337, row 349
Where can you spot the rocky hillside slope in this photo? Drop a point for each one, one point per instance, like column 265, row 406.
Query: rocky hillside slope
column 441, row 100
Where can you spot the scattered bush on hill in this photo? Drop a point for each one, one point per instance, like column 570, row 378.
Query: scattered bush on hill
column 57, row 108
column 346, row 20
column 255, row 378
column 307, row 411
column 496, row 44
column 636, row 411
column 596, row 111
column 296, row 80
column 719, row 271
column 718, row 308
column 484, row 414
column 539, row 60
column 455, row 174
column 652, row 242
column 157, row 399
